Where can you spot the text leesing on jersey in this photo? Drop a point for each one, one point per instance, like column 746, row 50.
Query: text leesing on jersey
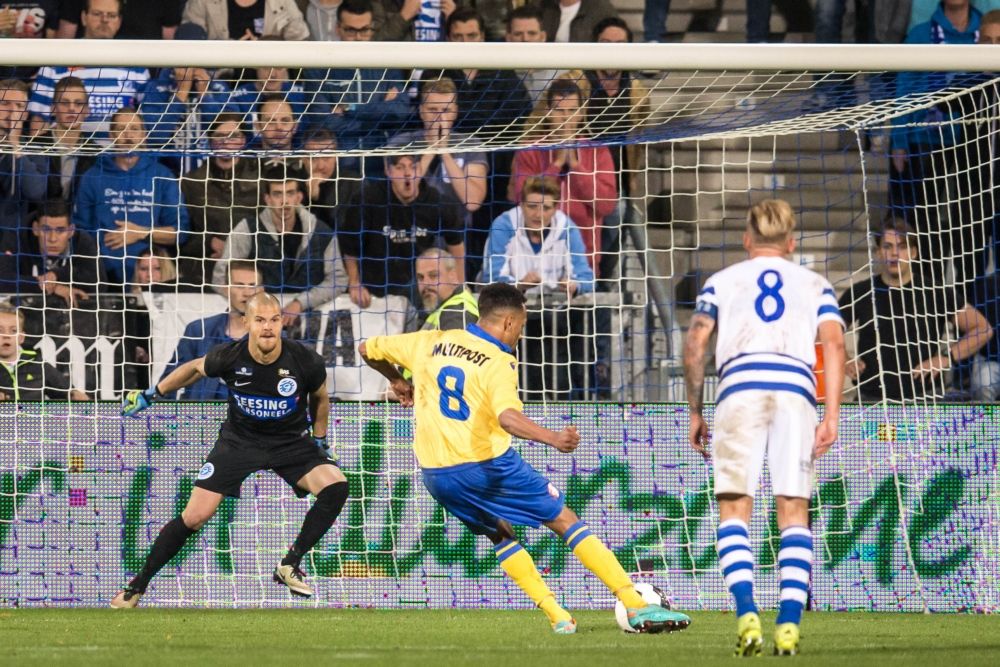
column 265, row 407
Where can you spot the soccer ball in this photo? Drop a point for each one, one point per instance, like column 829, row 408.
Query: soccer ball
column 651, row 594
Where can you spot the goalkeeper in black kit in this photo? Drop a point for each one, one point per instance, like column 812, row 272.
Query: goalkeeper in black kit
column 276, row 389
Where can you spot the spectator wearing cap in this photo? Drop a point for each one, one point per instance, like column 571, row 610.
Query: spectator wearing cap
column 297, row 254
column 392, row 222
column 247, row 19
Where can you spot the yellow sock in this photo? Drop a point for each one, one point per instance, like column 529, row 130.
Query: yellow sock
column 518, row 565
column 598, row 559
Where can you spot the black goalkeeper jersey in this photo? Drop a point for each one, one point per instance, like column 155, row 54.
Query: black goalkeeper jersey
column 268, row 404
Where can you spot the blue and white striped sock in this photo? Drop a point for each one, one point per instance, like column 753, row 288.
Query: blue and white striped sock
column 795, row 564
column 736, row 561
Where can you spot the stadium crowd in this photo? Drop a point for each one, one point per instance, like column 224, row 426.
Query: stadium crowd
column 119, row 180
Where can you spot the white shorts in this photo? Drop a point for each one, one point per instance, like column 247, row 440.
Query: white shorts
column 753, row 421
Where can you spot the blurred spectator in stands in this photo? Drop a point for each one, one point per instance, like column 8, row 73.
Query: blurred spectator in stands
column 297, row 255
column 394, row 20
column 276, row 125
column 155, row 271
column 27, row 19
column 218, row 194
column 366, row 104
column 255, row 84
column 391, row 224
column 139, row 20
column 321, row 17
column 447, row 302
column 19, row 181
column 985, row 368
column 331, row 189
column 919, row 11
column 524, row 24
column 458, row 175
column 129, row 200
column 491, row 99
column 654, row 20
column 798, row 18
column 23, row 375
column 539, row 249
column 179, row 105
column 619, row 106
column 923, row 171
column 586, row 174
column 491, row 102
column 247, row 19
column 574, row 20
column 59, row 171
column 902, row 320
column 51, row 257
column 108, row 88
column 536, row 246
column 200, row 336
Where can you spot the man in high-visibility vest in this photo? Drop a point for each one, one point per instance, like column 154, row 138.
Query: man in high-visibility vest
column 448, row 302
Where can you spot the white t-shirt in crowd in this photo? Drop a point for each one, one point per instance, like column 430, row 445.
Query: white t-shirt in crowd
column 566, row 15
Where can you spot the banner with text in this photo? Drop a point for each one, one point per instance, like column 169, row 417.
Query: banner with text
column 906, row 512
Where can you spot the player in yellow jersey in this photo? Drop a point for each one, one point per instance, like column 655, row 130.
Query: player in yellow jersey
column 466, row 408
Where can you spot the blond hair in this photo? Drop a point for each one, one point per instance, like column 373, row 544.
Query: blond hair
column 770, row 222
column 261, row 299
column 7, row 308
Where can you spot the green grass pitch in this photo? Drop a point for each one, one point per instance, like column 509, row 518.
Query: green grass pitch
column 352, row 637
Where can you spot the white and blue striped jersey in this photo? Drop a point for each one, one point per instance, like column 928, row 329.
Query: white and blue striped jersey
column 108, row 88
column 767, row 312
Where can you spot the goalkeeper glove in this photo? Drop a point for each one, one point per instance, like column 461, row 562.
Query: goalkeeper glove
column 325, row 447
column 136, row 401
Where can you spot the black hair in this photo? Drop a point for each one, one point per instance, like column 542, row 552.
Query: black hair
column 463, row 14
column 497, row 297
column 524, row 12
column 355, row 7
column 611, row 22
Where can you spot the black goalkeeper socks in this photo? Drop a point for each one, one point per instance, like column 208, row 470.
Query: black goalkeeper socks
column 170, row 540
column 318, row 520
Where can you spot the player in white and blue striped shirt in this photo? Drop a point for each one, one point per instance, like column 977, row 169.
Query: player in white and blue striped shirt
column 768, row 313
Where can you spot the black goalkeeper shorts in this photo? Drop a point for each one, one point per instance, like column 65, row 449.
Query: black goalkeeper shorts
column 229, row 463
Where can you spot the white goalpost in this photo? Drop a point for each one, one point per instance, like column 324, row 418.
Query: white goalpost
column 905, row 509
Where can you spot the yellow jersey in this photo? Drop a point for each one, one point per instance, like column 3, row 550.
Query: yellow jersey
column 463, row 379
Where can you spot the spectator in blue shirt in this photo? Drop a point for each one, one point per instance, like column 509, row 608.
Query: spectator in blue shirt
column 180, row 104
column 17, row 186
column 202, row 335
column 920, row 139
column 536, row 246
column 129, row 200
column 539, row 249
column 255, row 84
column 366, row 105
